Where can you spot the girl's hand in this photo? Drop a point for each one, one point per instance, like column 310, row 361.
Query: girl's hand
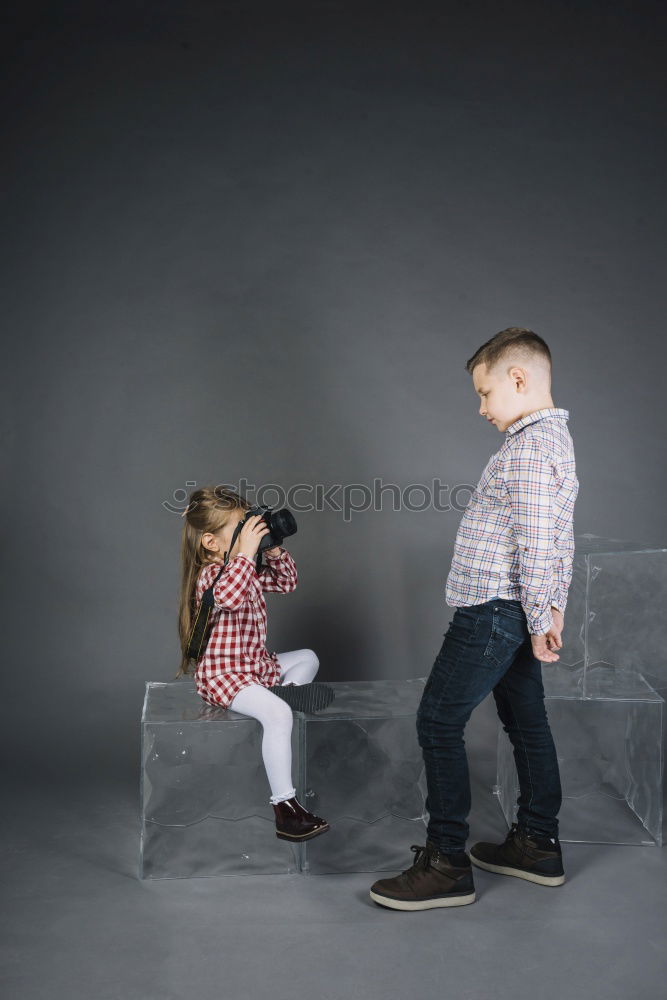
column 251, row 535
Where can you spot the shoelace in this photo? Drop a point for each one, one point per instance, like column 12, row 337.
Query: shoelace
column 519, row 833
column 422, row 858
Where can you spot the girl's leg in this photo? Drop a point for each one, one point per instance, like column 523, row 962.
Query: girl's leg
column 299, row 666
column 276, row 718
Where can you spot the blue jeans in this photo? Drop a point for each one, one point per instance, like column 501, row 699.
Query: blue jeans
column 486, row 648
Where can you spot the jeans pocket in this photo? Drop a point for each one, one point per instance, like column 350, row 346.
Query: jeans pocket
column 502, row 646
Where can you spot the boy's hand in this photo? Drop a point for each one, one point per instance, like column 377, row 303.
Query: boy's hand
column 541, row 650
column 544, row 645
column 557, row 625
column 275, row 551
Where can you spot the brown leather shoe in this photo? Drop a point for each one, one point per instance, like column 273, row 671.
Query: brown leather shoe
column 523, row 854
column 293, row 822
column 435, row 879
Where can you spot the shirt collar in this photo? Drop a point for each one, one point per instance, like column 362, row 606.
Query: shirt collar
column 547, row 411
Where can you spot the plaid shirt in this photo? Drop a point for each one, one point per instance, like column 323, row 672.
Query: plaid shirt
column 515, row 539
column 236, row 654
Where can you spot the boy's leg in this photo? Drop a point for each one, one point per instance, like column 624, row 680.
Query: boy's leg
column 477, row 650
column 519, row 697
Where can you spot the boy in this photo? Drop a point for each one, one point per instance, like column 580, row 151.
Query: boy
column 509, row 578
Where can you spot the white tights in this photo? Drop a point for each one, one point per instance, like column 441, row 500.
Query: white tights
column 298, row 667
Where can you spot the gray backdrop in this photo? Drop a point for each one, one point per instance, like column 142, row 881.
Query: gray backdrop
column 250, row 240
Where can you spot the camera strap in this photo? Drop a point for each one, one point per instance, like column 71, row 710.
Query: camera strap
column 196, row 641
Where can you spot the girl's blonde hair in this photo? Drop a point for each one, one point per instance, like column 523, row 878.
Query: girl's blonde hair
column 209, row 509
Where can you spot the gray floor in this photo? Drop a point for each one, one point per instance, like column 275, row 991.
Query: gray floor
column 77, row 922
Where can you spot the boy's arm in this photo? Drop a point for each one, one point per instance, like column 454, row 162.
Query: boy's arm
column 563, row 570
column 231, row 589
column 279, row 575
column 530, row 484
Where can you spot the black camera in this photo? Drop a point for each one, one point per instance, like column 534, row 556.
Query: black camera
column 281, row 524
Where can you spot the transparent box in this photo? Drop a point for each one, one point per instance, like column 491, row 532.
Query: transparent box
column 627, row 598
column 615, row 609
column 613, row 653
column 205, row 795
column 364, row 773
column 205, row 806
column 610, row 755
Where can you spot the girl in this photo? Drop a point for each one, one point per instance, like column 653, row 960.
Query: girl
column 236, row 670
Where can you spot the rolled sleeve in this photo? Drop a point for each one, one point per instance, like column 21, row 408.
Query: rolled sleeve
column 530, row 483
column 231, row 589
column 279, row 575
column 561, row 582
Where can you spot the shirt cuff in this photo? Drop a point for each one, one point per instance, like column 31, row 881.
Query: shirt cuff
column 542, row 624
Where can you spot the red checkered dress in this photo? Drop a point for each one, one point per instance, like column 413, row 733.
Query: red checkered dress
column 236, row 654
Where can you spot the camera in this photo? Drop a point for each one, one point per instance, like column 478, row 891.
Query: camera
column 281, row 524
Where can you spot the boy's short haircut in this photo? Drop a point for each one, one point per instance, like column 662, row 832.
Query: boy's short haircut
column 514, row 343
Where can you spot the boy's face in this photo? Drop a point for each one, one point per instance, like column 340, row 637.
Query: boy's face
column 501, row 394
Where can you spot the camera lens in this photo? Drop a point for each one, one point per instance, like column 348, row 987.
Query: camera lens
column 283, row 523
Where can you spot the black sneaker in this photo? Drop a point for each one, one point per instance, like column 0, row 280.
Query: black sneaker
column 435, row 879
column 523, row 854
column 311, row 697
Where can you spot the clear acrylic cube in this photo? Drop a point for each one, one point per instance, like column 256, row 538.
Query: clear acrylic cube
column 204, row 791
column 205, row 795
column 605, row 697
column 610, row 756
column 364, row 773
column 615, row 610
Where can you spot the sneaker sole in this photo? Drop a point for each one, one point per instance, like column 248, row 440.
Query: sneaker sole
column 421, row 904
column 309, row 698
column 302, row 836
column 528, row 876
